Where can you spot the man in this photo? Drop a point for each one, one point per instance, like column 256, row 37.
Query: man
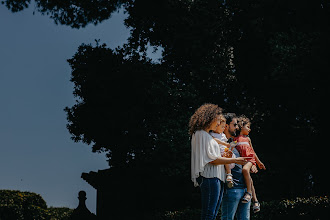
column 231, row 202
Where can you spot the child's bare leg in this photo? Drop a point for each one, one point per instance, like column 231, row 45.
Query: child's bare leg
column 227, row 168
column 256, row 204
column 254, row 194
column 247, row 177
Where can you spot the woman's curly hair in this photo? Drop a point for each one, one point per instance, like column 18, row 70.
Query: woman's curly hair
column 203, row 117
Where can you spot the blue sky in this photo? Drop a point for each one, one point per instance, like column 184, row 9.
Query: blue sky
column 37, row 154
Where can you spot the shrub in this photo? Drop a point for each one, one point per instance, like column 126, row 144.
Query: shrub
column 186, row 214
column 59, row 213
column 11, row 212
column 315, row 207
column 17, row 205
column 299, row 208
column 21, row 198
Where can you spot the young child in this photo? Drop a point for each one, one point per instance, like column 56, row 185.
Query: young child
column 225, row 149
column 245, row 149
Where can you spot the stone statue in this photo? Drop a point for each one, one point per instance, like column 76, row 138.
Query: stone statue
column 81, row 212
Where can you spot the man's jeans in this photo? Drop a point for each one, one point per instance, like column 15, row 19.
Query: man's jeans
column 232, row 204
column 211, row 194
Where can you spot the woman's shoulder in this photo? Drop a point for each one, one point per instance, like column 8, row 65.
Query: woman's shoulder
column 204, row 137
column 201, row 133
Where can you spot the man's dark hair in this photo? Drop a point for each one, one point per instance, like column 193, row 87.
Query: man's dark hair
column 229, row 117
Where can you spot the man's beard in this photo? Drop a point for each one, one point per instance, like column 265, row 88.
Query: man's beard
column 233, row 133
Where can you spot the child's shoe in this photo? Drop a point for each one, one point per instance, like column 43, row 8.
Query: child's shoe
column 246, row 198
column 256, row 206
column 229, row 180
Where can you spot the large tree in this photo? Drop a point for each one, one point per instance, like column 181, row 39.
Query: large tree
column 158, row 98
column 266, row 59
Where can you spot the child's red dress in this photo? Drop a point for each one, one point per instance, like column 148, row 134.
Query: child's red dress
column 244, row 148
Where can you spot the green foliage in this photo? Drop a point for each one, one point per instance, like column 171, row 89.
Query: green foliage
column 115, row 103
column 11, row 212
column 17, row 205
column 22, row 205
column 61, row 213
column 13, row 197
column 186, row 214
column 299, row 208
column 281, row 61
column 73, row 13
column 138, row 111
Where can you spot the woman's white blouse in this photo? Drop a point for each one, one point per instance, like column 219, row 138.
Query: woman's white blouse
column 204, row 149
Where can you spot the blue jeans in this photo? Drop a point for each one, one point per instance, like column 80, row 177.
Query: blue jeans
column 211, row 194
column 232, row 204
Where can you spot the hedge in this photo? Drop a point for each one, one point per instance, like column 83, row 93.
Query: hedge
column 316, row 207
column 60, row 213
column 17, row 205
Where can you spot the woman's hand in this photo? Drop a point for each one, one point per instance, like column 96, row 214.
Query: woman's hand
column 242, row 160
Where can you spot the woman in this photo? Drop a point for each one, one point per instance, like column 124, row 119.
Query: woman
column 207, row 170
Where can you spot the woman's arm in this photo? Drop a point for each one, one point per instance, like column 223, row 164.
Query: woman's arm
column 221, row 142
column 224, row 160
